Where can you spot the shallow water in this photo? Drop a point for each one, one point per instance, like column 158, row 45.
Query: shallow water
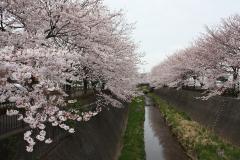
column 159, row 142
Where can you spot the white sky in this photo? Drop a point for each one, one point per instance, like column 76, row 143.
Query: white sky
column 166, row 25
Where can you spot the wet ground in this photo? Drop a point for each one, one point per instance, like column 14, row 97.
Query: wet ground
column 160, row 144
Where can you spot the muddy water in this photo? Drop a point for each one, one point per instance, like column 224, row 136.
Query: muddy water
column 159, row 142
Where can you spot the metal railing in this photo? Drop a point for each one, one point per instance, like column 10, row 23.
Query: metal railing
column 9, row 124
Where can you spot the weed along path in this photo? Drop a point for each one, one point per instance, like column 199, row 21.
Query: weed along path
column 159, row 142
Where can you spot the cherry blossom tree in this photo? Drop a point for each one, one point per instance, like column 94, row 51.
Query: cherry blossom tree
column 212, row 60
column 45, row 43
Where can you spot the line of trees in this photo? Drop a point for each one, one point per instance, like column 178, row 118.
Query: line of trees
column 47, row 43
column 211, row 62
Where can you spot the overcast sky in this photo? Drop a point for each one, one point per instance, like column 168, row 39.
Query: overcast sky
column 166, row 25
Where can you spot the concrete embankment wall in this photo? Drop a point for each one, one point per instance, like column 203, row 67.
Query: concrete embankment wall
column 97, row 139
column 219, row 113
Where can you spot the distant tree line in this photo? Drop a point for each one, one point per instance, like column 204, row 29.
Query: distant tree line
column 211, row 62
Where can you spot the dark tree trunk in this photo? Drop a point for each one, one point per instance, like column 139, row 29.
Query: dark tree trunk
column 85, row 80
column 194, row 83
column 1, row 20
column 94, row 85
column 103, row 86
column 235, row 76
column 85, row 85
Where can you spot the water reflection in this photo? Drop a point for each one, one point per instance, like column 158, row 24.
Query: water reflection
column 159, row 143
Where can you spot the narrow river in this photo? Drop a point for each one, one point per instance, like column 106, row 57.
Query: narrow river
column 159, row 142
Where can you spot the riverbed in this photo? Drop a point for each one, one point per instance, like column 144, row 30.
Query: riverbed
column 160, row 144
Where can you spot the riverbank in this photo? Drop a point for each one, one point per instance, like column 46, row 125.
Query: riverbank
column 133, row 140
column 199, row 142
column 221, row 114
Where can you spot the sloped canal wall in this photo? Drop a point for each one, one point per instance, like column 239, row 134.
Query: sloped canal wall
column 222, row 114
column 97, row 139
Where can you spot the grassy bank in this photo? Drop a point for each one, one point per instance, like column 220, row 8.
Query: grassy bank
column 199, row 142
column 133, row 140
